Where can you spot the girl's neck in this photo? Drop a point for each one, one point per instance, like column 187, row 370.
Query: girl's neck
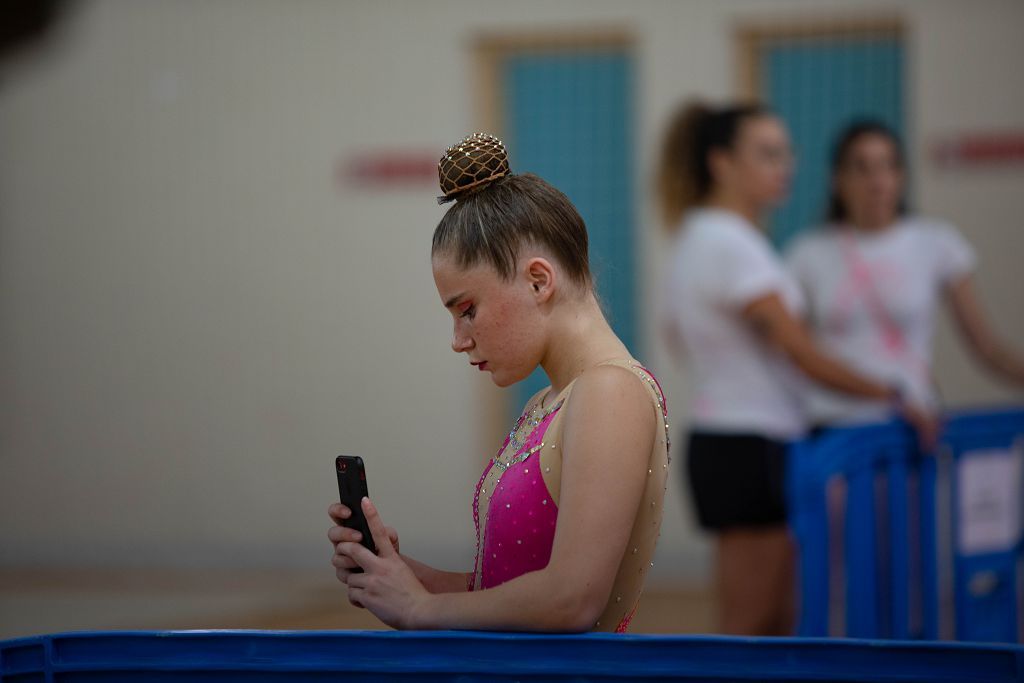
column 580, row 339
column 722, row 198
column 871, row 224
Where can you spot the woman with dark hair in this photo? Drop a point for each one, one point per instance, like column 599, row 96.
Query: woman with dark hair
column 568, row 511
column 873, row 277
column 734, row 311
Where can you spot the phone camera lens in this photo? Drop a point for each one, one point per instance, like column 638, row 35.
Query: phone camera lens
column 342, row 466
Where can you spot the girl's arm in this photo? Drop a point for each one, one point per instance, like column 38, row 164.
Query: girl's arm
column 437, row 580
column 607, row 440
column 434, row 580
column 981, row 339
column 773, row 322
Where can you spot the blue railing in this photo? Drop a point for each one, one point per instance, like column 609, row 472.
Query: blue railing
column 879, row 529
column 267, row 657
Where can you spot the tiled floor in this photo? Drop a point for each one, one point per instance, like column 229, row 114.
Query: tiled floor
column 33, row 602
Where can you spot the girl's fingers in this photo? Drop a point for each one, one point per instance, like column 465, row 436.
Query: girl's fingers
column 343, row 562
column 341, row 534
column 385, row 548
column 338, row 512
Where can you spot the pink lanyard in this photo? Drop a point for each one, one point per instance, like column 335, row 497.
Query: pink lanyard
column 893, row 338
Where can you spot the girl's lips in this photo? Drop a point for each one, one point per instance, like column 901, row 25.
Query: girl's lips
column 482, row 365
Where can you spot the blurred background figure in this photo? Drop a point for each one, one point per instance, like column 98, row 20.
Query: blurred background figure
column 734, row 313
column 24, row 24
column 873, row 275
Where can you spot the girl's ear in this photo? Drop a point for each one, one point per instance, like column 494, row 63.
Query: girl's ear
column 541, row 277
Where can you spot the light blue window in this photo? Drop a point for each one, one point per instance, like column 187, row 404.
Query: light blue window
column 569, row 119
column 818, row 86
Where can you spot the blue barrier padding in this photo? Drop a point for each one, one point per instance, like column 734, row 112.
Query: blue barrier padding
column 985, row 585
column 813, row 568
column 896, row 539
column 899, row 581
column 988, row 617
column 268, row 656
column 928, row 559
column 861, row 579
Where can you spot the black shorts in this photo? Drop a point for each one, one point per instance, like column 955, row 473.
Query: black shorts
column 737, row 480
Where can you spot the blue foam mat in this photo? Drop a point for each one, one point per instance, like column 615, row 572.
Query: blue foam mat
column 469, row 656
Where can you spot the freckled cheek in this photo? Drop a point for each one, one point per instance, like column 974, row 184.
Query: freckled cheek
column 504, row 336
column 495, row 338
column 509, row 344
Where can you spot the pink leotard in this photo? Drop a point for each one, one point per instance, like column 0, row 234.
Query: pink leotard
column 515, row 508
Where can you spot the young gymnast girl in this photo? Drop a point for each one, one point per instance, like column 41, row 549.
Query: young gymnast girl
column 568, row 511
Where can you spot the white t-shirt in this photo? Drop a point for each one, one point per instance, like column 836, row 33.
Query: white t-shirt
column 871, row 303
column 720, row 263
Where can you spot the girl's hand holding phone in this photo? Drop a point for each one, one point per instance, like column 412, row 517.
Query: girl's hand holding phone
column 339, row 534
column 386, row 585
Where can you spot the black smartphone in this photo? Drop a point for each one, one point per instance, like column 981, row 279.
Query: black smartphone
column 352, row 489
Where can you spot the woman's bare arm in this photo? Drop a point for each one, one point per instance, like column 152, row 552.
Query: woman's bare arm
column 973, row 324
column 773, row 322
column 437, row 580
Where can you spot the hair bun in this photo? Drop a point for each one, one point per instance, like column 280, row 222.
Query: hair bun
column 472, row 164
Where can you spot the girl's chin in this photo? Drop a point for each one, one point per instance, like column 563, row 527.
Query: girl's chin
column 501, row 381
column 504, row 380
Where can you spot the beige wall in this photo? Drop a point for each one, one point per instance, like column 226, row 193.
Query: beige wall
column 195, row 318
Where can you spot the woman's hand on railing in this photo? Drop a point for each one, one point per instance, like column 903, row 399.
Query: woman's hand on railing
column 925, row 422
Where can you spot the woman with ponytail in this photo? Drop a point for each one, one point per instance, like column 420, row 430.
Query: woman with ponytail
column 733, row 310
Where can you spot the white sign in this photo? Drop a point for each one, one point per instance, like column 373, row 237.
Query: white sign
column 989, row 500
